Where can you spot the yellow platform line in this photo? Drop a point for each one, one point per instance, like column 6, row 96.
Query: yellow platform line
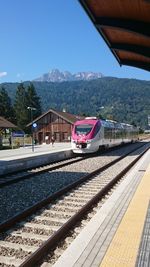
column 123, row 249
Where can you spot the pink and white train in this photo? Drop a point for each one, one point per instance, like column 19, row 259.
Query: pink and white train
column 92, row 134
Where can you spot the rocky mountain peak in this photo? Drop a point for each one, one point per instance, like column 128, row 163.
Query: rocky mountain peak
column 56, row 75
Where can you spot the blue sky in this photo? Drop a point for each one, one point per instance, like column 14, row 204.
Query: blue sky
column 40, row 35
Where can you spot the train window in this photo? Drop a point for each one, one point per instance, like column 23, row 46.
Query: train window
column 108, row 133
column 83, row 129
column 96, row 130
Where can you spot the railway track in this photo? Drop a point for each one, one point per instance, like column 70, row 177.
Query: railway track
column 28, row 236
column 24, row 175
column 19, row 196
column 18, row 176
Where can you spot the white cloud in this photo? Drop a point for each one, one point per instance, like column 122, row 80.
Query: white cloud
column 2, row 74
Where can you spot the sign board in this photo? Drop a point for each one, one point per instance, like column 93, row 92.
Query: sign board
column 34, row 125
column 18, row 134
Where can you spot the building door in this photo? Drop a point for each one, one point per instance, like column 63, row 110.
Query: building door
column 40, row 138
column 47, row 138
column 65, row 137
column 57, row 136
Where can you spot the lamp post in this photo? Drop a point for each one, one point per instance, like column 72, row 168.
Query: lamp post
column 31, row 110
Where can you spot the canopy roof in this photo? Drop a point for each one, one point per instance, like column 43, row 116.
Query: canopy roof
column 125, row 27
column 6, row 124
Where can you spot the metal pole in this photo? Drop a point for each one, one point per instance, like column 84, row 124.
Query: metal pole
column 11, row 140
column 32, row 131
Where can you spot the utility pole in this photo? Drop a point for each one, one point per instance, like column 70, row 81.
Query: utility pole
column 32, row 133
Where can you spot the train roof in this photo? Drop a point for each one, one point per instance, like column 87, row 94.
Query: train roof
column 105, row 123
column 110, row 124
column 91, row 118
column 115, row 124
column 86, row 121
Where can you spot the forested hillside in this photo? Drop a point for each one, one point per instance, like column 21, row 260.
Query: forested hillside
column 125, row 100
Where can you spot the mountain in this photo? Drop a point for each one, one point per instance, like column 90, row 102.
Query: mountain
column 57, row 76
column 124, row 100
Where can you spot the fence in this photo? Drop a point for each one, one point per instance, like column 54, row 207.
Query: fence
column 16, row 141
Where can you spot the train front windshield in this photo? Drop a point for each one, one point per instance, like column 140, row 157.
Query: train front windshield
column 83, row 129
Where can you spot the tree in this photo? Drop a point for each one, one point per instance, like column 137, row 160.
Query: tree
column 20, row 107
column 33, row 101
column 6, row 109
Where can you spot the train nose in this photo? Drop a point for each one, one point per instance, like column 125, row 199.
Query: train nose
column 82, row 139
column 81, row 145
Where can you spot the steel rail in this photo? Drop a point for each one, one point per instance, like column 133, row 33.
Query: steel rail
column 62, row 232
column 29, row 211
column 12, row 180
column 39, row 166
column 30, row 175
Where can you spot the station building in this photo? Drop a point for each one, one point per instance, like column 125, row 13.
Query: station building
column 5, row 125
column 53, row 123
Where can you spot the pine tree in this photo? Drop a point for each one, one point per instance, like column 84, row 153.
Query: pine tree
column 20, row 107
column 6, row 108
column 33, row 101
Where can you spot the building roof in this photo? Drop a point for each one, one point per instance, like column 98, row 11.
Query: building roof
column 71, row 118
column 6, row 124
column 125, row 27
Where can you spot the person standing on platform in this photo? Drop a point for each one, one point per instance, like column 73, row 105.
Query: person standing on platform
column 52, row 140
column 10, row 140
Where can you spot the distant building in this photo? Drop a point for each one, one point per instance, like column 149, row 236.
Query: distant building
column 5, row 125
column 53, row 123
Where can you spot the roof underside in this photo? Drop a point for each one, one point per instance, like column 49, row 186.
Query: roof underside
column 125, row 27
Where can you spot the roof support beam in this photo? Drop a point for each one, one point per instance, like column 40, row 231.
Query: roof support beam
column 137, row 64
column 141, row 50
column 138, row 27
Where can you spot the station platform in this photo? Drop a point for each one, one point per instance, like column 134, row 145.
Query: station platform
column 119, row 233
column 28, row 157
